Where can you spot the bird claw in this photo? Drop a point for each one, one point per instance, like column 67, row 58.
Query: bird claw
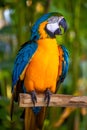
column 47, row 96
column 33, row 97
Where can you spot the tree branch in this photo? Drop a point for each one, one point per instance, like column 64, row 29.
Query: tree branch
column 57, row 100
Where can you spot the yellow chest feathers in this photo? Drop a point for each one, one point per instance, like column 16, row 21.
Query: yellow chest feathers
column 42, row 71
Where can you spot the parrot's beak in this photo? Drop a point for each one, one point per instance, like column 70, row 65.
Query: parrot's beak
column 62, row 27
column 63, row 24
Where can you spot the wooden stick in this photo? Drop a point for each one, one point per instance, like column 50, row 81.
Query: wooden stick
column 57, row 100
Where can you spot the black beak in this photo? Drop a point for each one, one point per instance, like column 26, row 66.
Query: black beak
column 63, row 24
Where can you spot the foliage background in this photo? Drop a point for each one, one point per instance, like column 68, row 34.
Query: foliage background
column 16, row 20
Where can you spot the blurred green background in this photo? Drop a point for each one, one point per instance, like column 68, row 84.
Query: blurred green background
column 16, row 20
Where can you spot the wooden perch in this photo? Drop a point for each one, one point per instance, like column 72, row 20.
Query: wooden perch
column 57, row 100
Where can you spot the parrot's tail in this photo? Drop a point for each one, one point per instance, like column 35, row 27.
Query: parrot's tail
column 12, row 106
column 15, row 95
column 33, row 121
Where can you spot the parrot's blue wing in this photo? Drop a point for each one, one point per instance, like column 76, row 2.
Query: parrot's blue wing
column 65, row 65
column 22, row 59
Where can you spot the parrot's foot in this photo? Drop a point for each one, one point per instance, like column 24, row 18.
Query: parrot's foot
column 47, row 96
column 33, row 97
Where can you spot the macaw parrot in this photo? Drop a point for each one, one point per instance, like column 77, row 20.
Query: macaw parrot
column 41, row 65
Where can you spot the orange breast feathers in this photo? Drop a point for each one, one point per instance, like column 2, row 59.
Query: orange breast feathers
column 42, row 71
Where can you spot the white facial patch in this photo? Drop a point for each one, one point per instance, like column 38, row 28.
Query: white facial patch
column 52, row 27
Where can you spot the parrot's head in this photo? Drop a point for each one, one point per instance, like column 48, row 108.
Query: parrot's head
column 48, row 26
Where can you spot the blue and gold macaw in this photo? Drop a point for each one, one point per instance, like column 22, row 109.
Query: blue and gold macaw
column 40, row 65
